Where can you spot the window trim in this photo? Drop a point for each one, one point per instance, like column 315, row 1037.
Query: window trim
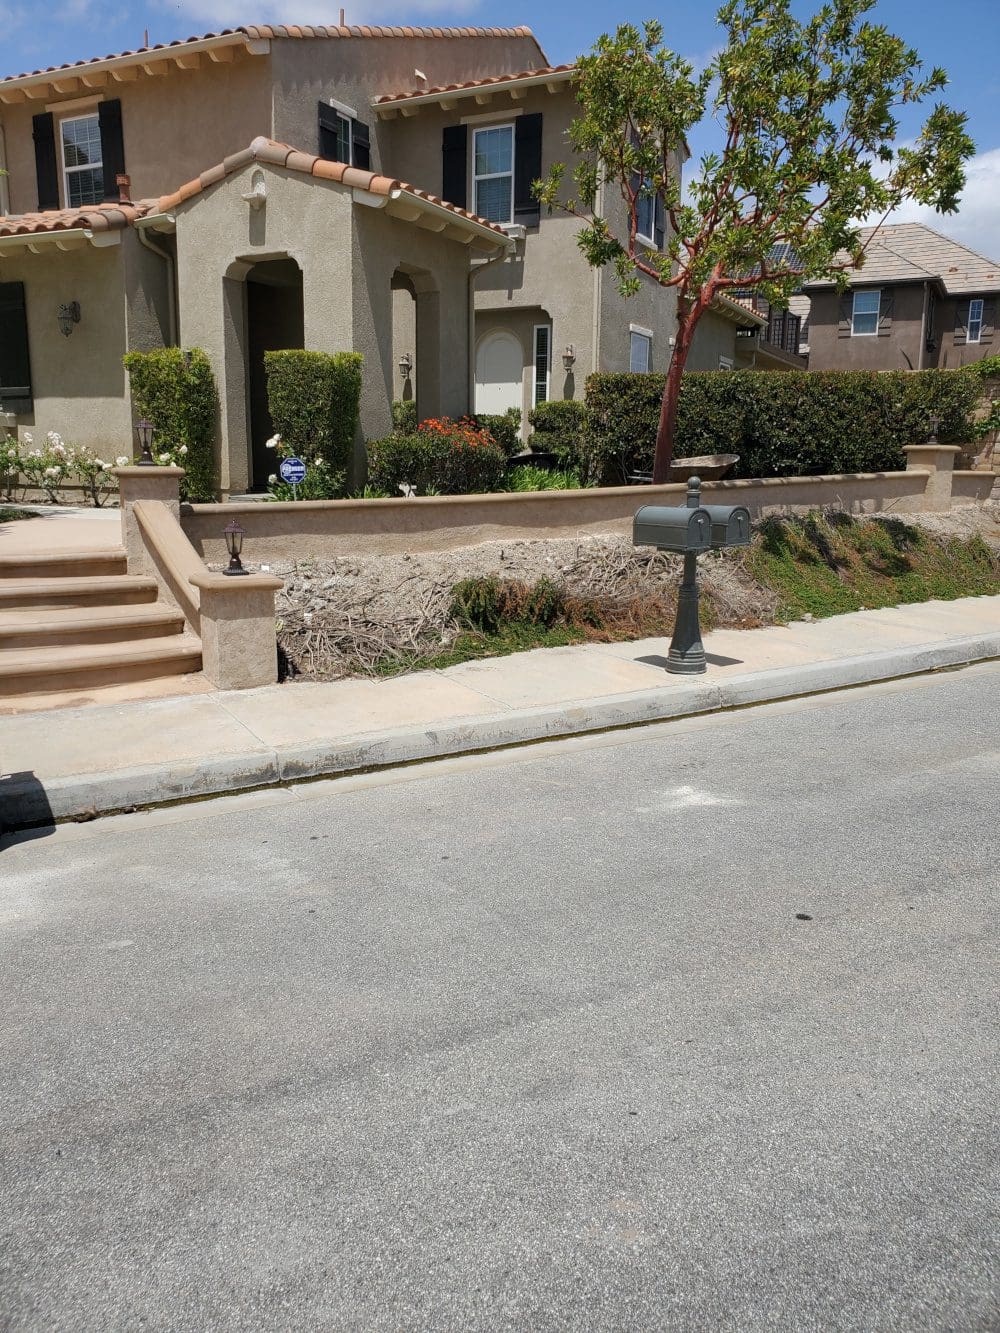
column 536, row 330
column 65, row 171
column 637, row 331
column 866, row 291
column 726, row 363
column 978, row 321
column 649, row 241
column 493, row 175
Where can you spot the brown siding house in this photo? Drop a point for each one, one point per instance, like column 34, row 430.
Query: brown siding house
column 920, row 301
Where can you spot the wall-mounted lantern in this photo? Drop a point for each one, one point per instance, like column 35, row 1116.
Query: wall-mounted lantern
column 69, row 314
column 405, row 365
column 234, row 545
column 144, row 433
column 569, row 358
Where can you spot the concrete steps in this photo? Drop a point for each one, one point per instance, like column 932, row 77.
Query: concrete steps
column 72, row 620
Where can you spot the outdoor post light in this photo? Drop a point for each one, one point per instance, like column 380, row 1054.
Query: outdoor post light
column 234, row 545
column 935, row 425
column 405, row 365
column 144, row 433
column 569, row 357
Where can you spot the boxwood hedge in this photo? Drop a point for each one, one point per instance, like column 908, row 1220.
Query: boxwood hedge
column 175, row 390
column 784, row 424
column 313, row 399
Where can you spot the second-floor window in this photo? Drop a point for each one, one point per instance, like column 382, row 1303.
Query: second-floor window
column 493, row 173
column 83, row 171
column 975, row 325
column 342, row 137
column 640, row 350
column 864, row 315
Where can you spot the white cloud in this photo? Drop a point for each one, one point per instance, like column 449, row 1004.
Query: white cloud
column 977, row 222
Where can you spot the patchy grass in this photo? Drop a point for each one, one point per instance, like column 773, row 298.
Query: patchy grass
column 827, row 565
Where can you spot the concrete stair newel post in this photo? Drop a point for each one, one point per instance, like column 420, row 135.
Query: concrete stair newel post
column 938, row 461
column 233, row 617
column 145, row 483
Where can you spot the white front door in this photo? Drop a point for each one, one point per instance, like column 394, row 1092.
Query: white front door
column 499, row 372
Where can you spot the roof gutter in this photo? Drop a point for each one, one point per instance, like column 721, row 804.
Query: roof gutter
column 412, row 207
column 57, row 240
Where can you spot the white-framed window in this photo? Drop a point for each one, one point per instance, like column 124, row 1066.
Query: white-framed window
column 640, row 350
column 83, row 172
column 493, row 173
column 864, row 313
column 543, row 363
column 974, row 328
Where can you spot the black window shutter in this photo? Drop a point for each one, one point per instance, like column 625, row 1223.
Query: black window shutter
column 845, row 315
column 15, row 366
column 659, row 224
column 989, row 321
column 527, row 168
column 454, row 165
column 361, row 145
column 329, row 124
column 43, row 131
column 961, row 323
column 885, row 308
column 109, row 117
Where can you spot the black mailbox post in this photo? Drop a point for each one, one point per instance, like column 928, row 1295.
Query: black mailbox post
column 688, row 530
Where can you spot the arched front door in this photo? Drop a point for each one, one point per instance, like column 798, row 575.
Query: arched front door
column 499, row 370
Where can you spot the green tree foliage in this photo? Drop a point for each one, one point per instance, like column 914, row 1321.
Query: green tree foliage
column 808, row 114
column 175, row 390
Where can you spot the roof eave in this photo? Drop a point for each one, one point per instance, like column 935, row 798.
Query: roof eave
column 65, row 238
column 483, row 93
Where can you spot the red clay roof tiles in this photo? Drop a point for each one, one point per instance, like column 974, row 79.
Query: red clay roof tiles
column 443, row 89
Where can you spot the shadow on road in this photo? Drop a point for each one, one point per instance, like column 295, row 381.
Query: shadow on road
column 24, row 808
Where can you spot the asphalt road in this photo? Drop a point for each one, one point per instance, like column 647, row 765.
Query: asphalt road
column 682, row 1028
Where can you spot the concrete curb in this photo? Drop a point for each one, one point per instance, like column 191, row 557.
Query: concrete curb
column 31, row 802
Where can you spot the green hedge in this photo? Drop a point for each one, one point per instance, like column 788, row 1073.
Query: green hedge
column 785, row 424
column 404, row 415
column 436, row 464
column 313, row 399
column 505, row 427
column 175, row 390
column 559, row 429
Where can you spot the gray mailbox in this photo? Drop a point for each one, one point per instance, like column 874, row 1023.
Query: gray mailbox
column 730, row 524
column 672, row 529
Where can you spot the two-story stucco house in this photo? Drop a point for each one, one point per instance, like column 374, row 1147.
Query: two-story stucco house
column 328, row 187
column 919, row 301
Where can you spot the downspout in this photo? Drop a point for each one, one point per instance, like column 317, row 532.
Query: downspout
column 168, row 259
column 474, row 273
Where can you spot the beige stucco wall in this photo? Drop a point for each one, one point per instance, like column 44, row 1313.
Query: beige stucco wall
column 324, row 529
column 547, row 273
column 900, row 349
column 356, row 70
column 714, row 337
column 949, row 356
column 79, row 383
column 175, row 125
column 348, row 253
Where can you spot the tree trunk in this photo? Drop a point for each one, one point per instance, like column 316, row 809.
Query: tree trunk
column 671, row 392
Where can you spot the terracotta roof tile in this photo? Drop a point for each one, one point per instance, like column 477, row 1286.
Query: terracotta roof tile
column 293, row 159
column 95, row 217
column 265, row 32
column 443, row 89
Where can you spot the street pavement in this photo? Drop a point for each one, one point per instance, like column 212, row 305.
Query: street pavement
column 686, row 1027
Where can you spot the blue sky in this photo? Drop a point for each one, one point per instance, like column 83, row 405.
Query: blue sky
column 961, row 35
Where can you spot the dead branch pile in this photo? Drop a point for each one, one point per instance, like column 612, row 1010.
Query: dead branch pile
column 354, row 615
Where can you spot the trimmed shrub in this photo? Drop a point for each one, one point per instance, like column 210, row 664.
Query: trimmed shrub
column 443, row 457
column 175, row 390
column 313, row 399
column 785, row 424
column 505, row 428
column 404, row 416
column 559, row 428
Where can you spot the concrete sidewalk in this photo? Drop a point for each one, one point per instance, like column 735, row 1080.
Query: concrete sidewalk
column 95, row 760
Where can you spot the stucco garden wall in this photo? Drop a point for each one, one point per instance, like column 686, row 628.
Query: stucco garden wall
column 323, row 529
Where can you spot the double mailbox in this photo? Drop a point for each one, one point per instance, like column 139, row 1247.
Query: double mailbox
column 685, row 529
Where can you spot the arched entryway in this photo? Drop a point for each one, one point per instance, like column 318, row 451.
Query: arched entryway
column 499, row 372
column 274, row 320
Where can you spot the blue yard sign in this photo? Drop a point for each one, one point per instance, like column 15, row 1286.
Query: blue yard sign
column 292, row 470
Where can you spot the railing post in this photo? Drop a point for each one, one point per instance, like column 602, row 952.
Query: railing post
column 145, row 483
column 938, row 461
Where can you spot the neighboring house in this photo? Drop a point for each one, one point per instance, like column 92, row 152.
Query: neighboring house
column 920, row 300
column 247, row 190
